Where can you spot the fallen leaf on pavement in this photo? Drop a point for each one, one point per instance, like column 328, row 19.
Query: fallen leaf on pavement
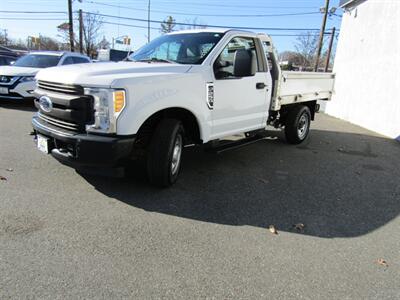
column 272, row 229
column 382, row 262
column 263, row 180
column 3, row 178
column 299, row 226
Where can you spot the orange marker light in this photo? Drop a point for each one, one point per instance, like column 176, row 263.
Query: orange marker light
column 119, row 101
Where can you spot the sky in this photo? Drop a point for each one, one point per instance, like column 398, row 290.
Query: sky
column 292, row 14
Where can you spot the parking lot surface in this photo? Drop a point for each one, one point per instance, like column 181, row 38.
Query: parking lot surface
column 69, row 235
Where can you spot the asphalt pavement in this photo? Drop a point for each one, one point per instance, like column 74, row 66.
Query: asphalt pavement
column 65, row 234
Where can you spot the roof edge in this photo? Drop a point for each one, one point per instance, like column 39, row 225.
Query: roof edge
column 347, row 3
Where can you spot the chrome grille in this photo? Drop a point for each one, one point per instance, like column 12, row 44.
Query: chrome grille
column 69, row 89
column 59, row 123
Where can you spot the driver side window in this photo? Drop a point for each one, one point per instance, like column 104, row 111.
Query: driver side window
column 227, row 64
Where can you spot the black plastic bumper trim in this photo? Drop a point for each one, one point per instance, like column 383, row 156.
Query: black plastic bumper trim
column 87, row 149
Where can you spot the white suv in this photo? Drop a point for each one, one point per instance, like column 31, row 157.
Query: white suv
column 18, row 80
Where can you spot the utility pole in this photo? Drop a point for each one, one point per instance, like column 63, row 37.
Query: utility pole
column 321, row 35
column 148, row 22
column 80, row 31
column 71, row 26
column 328, row 57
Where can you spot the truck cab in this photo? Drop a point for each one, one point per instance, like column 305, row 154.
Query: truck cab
column 184, row 88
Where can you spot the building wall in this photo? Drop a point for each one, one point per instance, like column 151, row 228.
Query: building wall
column 367, row 67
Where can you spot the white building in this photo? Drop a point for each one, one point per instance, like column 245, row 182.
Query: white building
column 367, row 66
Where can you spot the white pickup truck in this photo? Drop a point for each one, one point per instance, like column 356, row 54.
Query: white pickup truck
column 183, row 88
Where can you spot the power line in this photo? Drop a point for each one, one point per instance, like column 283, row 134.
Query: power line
column 129, row 25
column 227, row 5
column 206, row 25
column 32, row 19
column 32, row 12
column 156, row 28
column 208, row 15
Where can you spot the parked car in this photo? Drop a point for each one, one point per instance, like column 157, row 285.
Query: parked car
column 7, row 56
column 6, row 60
column 18, row 80
column 183, row 88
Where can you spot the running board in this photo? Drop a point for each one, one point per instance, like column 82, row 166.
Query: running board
column 225, row 146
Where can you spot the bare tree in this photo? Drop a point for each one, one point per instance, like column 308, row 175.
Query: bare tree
column 168, row 25
column 194, row 24
column 103, row 44
column 306, row 45
column 291, row 57
column 2, row 37
column 18, row 44
column 63, row 32
column 92, row 25
column 48, row 43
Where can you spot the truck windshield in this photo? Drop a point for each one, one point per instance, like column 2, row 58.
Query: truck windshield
column 183, row 48
column 37, row 61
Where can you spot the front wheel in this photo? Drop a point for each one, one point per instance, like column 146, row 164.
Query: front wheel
column 165, row 153
column 297, row 125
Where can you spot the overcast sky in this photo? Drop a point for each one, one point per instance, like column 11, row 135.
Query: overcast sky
column 305, row 15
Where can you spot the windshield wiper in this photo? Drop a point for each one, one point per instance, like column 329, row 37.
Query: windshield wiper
column 155, row 59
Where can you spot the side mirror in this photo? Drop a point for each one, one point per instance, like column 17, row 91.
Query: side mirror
column 243, row 63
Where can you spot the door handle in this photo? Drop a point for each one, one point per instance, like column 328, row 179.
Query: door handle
column 260, row 85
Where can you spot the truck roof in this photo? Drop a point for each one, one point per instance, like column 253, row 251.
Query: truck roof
column 213, row 30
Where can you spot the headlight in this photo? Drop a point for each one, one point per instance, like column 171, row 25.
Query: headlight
column 108, row 105
column 27, row 78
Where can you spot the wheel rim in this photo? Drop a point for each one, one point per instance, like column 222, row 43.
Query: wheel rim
column 302, row 126
column 176, row 154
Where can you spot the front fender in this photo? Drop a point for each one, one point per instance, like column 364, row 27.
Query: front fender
column 151, row 94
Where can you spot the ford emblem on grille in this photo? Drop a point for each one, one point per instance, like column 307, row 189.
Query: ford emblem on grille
column 45, row 104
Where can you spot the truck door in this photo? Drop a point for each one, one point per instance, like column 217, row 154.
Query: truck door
column 242, row 88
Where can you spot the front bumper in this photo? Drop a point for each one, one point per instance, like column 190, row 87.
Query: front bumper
column 84, row 150
column 19, row 90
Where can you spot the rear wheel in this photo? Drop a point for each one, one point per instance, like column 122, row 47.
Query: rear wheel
column 297, row 125
column 165, row 153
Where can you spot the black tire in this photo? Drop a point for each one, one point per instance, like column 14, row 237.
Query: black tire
column 160, row 168
column 297, row 117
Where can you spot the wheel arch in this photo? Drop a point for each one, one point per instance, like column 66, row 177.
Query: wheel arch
column 289, row 107
column 191, row 124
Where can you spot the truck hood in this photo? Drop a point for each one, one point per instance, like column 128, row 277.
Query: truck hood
column 18, row 71
column 104, row 74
